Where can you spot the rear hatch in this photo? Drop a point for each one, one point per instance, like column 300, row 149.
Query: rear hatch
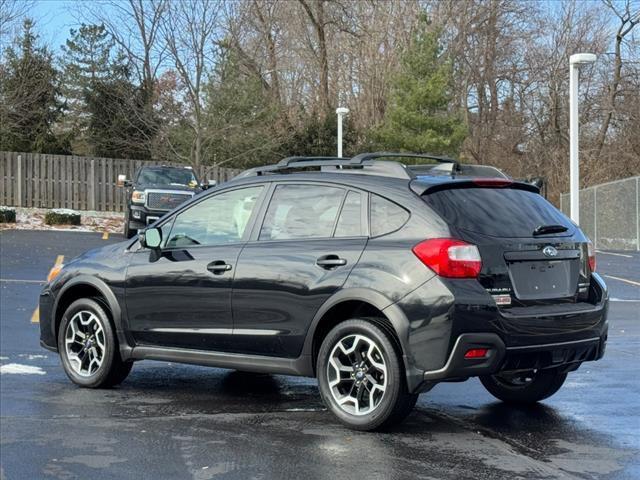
column 532, row 254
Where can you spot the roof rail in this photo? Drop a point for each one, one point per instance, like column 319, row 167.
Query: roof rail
column 356, row 164
column 285, row 162
column 371, row 156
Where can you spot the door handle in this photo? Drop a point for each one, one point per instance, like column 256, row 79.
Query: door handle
column 330, row 261
column 218, row 267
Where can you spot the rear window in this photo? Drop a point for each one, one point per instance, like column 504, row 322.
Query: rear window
column 499, row 212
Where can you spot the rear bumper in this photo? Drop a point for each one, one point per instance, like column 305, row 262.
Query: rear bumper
column 446, row 318
column 565, row 356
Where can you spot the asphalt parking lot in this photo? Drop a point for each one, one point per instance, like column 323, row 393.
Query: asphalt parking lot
column 176, row 421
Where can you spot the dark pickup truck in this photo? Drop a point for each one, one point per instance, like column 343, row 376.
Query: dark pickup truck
column 154, row 191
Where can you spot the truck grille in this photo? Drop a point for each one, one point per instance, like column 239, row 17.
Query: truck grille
column 166, row 200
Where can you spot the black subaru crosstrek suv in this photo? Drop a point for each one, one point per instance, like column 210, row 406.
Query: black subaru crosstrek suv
column 378, row 278
column 155, row 190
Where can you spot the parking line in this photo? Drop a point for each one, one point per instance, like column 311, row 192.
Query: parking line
column 19, row 280
column 630, row 282
column 105, row 235
column 616, row 254
column 35, row 316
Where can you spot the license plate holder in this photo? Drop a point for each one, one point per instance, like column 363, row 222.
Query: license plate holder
column 539, row 280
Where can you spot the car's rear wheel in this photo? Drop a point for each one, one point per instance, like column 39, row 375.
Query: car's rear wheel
column 361, row 376
column 88, row 346
column 524, row 387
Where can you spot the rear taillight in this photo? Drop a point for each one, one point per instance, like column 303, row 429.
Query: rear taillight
column 449, row 257
column 591, row 251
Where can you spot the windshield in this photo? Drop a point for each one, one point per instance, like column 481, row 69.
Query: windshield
column 167, row 176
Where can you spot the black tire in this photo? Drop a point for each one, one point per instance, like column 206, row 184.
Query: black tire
column 129, row 232
column 395, row 403
column 112, row 371
column 512, row 389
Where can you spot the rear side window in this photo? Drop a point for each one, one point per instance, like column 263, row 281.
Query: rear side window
column 386, row 216
column 498, row 212
column 350, row 220
column 301, row 211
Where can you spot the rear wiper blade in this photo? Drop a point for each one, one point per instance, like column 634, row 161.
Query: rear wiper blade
column 547, row 229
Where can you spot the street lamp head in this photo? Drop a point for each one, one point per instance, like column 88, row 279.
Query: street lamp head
column 582, row 58
column 342, row 111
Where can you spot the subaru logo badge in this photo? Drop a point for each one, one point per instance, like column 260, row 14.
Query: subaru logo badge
column 550, row 251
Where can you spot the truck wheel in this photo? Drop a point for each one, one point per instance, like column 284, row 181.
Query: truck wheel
column 361, row 376
column 128, row 232
column 524, row 387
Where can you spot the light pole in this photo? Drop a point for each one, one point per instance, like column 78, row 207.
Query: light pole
column 574, row 166
column 341, row 113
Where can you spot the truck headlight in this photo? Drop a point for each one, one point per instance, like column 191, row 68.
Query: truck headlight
column 137, row 196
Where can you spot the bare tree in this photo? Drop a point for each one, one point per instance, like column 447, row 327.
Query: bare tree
column 628, row 19
column 135, row 26
column 190, row 31
column 10, row 12
column 316, row 14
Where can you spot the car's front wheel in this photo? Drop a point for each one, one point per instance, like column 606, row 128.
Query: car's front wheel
column 88, row 346
column 361, row 376
column 524, row 387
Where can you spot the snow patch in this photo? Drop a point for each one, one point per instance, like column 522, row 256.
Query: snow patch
column 65, row 211
column 31, row 357
column 16, row 368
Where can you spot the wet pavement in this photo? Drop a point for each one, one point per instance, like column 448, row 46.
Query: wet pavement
column 175, row 421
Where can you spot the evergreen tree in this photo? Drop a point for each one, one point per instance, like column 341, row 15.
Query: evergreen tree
column 87, row 61
column 317, row 137
column 29, row 97
column 419, row 115
column 240, row 117
column 117, row 124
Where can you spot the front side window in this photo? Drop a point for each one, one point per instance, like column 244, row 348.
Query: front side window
column 301, row 211
column 217, row 220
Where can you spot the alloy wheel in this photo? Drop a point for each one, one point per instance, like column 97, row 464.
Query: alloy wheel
column 85, row 343
column 357, row 374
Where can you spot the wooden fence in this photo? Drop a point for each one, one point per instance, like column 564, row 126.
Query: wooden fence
column 80, row 183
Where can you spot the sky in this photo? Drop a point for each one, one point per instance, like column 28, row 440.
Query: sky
column 54, row 18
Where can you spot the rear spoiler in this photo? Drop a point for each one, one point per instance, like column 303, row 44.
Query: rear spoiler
column 422, row 188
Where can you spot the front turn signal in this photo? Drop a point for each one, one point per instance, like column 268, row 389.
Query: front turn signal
column 54, row 272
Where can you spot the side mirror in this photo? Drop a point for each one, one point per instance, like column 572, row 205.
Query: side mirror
column 208, row 184
column 151, row 238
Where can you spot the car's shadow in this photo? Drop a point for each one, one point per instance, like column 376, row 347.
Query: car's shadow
column 213, row 390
